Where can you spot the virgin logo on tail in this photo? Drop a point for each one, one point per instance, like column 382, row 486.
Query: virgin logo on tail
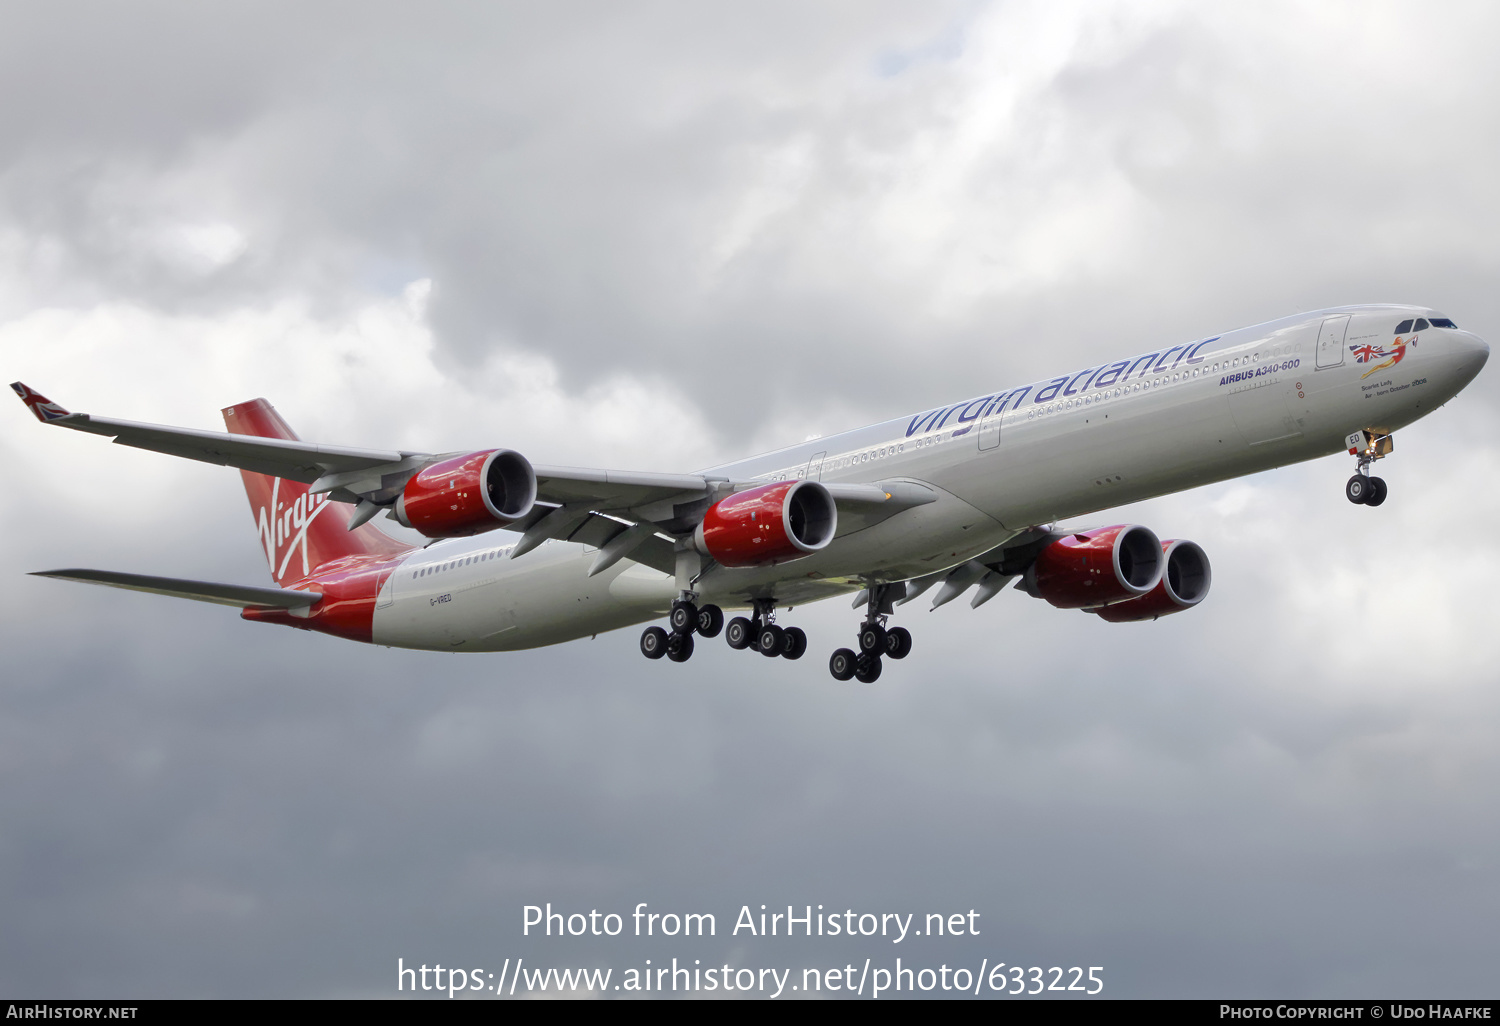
column 283, row 533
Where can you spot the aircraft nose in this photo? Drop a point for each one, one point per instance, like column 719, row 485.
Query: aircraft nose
column 1471, row 352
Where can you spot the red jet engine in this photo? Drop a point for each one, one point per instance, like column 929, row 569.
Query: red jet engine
column 468, row 494
column 1098, row 567
column 774, row 523
column 1181, row 587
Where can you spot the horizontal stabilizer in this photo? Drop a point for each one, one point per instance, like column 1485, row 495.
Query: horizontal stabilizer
column 200, row 591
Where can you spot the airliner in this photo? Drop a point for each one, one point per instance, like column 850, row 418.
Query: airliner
column 966, row 496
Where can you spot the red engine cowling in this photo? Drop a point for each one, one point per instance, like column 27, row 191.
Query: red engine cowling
column 468, row 494
column 1097, row 568
column 1183, row 586
column 770, row 524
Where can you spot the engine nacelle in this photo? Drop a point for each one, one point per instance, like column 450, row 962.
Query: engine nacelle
column 468, row 494
column 1097, row 568
column 1183, row 586
column 770, row 524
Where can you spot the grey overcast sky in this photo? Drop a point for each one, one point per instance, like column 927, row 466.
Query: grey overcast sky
column 657, row 235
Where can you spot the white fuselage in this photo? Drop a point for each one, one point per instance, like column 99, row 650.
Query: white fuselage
column 1183, row 416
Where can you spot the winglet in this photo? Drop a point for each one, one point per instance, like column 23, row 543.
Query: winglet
column 45, row 409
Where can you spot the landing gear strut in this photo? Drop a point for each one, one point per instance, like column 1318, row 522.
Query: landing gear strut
column 1367, row 446
column 875, row 639
column 686, row 618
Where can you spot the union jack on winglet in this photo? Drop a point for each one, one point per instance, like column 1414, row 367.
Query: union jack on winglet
column 44, row 408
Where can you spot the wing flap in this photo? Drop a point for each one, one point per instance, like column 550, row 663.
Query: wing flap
column 655, row 551
column 200, row 591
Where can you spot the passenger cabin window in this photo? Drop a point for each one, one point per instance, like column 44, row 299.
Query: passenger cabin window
column 1403, row 327
column 1443, row 322
column 1421, row 324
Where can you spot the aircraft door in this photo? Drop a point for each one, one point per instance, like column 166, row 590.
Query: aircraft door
column 387, row 593
column 1331, row 342
column 814, row 471
column 989, row 425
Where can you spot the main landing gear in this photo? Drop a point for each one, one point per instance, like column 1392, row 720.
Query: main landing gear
column 686, row 620
column 761, row 633
column 875, row 639
column 1362, row 489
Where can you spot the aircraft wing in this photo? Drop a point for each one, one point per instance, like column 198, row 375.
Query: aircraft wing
column 294, row 460
column 202, row 591
column 588, row 505
column 307, row 462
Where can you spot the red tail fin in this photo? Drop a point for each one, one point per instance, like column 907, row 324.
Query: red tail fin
column 299, row 532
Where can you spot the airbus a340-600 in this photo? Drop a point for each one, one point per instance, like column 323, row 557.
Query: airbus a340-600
column 961, row 497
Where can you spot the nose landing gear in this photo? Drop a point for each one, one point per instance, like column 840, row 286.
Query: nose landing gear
column 1366, row 491
column 1367, row 446
column 875, row 639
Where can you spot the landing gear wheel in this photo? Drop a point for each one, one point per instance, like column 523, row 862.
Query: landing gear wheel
column 683, row 618
column 710, row 621
column 872, row 638
column 653, row 643
column 1358, row 489
column 867, row 669
column 1377, row 491
column 898, row 642
column 739, row 633
column 841, row 663
column 771, row 639
column 679, row 647
column 793, row 643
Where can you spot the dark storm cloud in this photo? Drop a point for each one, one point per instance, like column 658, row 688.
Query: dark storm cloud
column 799, row 219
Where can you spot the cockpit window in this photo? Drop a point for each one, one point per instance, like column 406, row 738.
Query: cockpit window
column 1403, row 327
column 1421, row 324
column 1443, row 322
